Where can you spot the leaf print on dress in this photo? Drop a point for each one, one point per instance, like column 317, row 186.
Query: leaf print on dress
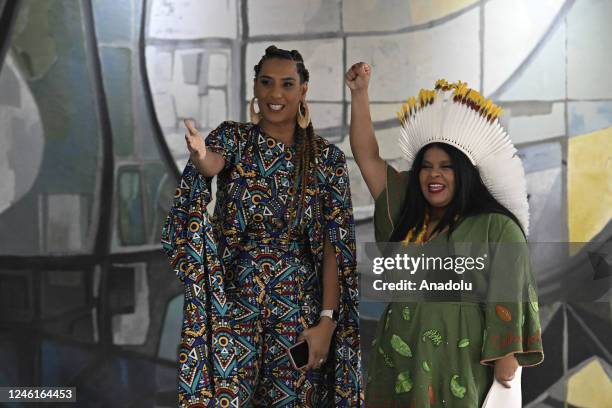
column 431, row 395
column 400, row 346
column 403, row 382
column 463, row 343
column 386, row 358
column 503, row 313
column 406, row 313
column 434, row 336
column 456, row 388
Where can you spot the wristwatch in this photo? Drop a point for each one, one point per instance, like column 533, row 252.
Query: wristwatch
column 332, row 314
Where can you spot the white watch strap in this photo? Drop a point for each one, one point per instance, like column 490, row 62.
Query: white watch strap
column 329, row 313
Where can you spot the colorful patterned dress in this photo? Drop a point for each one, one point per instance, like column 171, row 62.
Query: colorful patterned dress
column 268, row 285
column 440, row 354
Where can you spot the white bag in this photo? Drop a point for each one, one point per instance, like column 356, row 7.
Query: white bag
column 502, row 397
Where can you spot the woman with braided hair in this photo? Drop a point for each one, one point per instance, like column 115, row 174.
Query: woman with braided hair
column 275, row 265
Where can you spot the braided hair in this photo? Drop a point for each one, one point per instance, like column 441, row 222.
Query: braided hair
column 305, row 158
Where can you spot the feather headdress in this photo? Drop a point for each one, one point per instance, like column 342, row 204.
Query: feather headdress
column 460, row 116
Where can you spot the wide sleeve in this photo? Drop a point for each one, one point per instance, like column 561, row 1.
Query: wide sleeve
column 225, row 140
column 511, row 312
column 339, row 229
column 387, row 206
column 180, row 239
column 206, row 339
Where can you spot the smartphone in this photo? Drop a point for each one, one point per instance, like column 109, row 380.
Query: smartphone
column 298, row 355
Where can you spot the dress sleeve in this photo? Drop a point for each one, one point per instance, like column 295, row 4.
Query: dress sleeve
column 225, row 140
column 339, row 227
column 180, row 239
column 387, row 206
column 512, row 321
column 189, row 242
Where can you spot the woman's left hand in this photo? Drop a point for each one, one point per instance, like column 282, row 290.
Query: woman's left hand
column 319, row 339
column 505, row 369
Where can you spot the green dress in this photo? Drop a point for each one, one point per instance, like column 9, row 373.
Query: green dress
column 441, row 354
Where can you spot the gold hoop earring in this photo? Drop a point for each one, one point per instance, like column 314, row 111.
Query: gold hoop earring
column 303, row 119
column 255, row 116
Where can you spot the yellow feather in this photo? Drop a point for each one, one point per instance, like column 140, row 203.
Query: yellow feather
column 441, row 83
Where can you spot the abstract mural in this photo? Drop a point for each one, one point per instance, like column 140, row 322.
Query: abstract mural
column 92, row 99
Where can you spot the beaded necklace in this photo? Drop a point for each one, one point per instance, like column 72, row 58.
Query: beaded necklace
column 419, row 237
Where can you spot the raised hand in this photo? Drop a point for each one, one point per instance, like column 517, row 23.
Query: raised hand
column 194, row 140
column 363, row 141
column 357, row 77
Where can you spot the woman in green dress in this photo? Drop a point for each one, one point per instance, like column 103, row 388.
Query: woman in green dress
column 464, row 186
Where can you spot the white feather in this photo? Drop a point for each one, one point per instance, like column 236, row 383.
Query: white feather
column 485, row 143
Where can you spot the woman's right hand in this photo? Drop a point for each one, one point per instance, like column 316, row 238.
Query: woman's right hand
column 357, row 77
column 195, row 141
column 363, row 141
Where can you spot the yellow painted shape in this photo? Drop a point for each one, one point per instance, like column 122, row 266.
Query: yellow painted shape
column 590, row 387
column 423, row 11
column 589, row 179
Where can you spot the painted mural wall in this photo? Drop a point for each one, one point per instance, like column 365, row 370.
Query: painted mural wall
column 92, row 99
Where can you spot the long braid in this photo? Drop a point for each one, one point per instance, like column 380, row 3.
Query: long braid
column 312, row 165
column 300, row 171
column 304, row 177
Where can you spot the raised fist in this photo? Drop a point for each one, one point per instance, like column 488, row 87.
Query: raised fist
column 358, row 76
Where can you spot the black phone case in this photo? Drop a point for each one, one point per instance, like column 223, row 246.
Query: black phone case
column 298, row 355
